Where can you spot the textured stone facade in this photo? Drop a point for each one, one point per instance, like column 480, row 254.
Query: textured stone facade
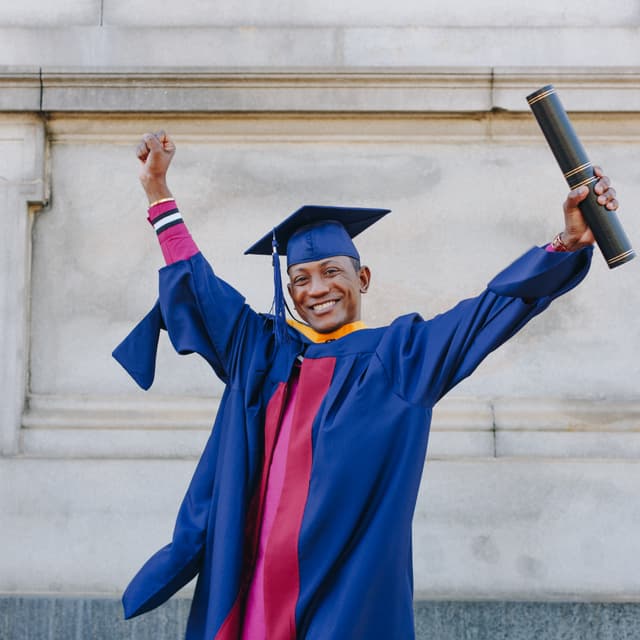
column 530, row 490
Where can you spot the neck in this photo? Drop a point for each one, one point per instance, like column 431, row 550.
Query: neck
column 316, row 336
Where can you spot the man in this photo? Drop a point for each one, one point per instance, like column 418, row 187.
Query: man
column 298, row 518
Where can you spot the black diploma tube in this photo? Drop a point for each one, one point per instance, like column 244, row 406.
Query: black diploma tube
column 578, row 172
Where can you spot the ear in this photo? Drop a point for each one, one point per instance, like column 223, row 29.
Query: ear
column 365, row 278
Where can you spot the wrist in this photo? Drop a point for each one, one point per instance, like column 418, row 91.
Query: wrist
column 564, row 241
column 155, row 188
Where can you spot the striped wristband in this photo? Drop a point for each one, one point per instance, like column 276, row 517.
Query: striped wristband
column 164, row 215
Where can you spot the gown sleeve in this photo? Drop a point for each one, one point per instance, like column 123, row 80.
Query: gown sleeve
column 202, row 314
column 424, row 360
column 205, row 315
column 177, row 563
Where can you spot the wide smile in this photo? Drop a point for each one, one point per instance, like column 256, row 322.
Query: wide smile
column 323, row 306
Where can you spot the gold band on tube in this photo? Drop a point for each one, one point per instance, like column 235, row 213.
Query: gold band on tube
column 542, row 96
column 573, row 172
column 620, row 257
column 584, row 182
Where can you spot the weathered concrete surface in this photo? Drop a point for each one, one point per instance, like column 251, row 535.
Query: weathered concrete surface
column 320, row 46
column 145, row 13
column 41, row 618
column 499, row 529
column 491, row 13
column 530, row 490
column 468, row 196
column 425, row 89
column 22, row 188
column 353, row 34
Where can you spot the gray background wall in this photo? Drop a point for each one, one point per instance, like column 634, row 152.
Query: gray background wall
column 530, row 488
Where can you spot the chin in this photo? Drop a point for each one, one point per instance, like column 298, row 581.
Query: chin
column 326, row 326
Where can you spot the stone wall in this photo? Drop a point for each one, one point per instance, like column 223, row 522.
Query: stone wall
column 529, row 491
column 407, row 33
column 36, row 618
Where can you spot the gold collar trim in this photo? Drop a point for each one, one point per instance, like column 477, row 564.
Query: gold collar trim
column 315, row 336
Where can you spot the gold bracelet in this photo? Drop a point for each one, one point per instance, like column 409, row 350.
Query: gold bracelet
column 153, row 204
column 557, row 243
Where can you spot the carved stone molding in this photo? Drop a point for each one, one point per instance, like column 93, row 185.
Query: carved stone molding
column 22, row 191
column 130, row 427
column 320, row 90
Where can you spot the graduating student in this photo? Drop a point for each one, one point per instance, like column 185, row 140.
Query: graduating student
column 297, row 521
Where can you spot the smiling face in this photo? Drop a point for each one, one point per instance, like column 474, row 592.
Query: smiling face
column 326, row 293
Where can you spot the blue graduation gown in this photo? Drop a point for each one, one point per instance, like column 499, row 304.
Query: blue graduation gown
column 368, row 439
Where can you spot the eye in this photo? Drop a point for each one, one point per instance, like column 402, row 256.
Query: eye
column 332, row 271
column 300, row 280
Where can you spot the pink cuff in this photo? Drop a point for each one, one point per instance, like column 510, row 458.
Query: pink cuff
column 175, row 240
column 177, row 244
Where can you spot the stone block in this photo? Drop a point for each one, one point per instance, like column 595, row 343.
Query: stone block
column 457, row 444
column 569, row 444
column 566, row 428
column 527, row 529
column 35, row 618
column 320, row 46
column 488, row 46
column 457, row 13
column 108, row 443
column 591, row 89
column 140, row 426
column 47, row 15
column 257, row 170
column 614, row 91
column 20, row 89
column 90, row 47
column 200, row 90
column 76, row 618
column 22, row 189
column 84, row 526
column 451, row 620
column 483, row 528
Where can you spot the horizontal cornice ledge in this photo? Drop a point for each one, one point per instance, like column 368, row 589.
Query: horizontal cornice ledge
column 355, row 90
column 20, row 89
column 270, row 90
column 463, row 427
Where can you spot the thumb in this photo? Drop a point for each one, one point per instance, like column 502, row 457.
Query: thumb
column 575, row 197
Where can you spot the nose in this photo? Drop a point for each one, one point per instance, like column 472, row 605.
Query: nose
column 318, row 286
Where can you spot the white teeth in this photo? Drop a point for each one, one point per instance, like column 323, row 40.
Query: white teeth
column 324, row 305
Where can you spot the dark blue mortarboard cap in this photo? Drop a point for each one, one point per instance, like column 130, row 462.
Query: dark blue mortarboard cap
column 312, row 233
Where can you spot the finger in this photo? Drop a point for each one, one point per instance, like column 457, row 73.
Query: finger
column 602, row 185
column 612, row 205
column 608, row 195
column 142, row 152
column 598, row 171
column 165, row 141
column 152, row 142
column 161, row 136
